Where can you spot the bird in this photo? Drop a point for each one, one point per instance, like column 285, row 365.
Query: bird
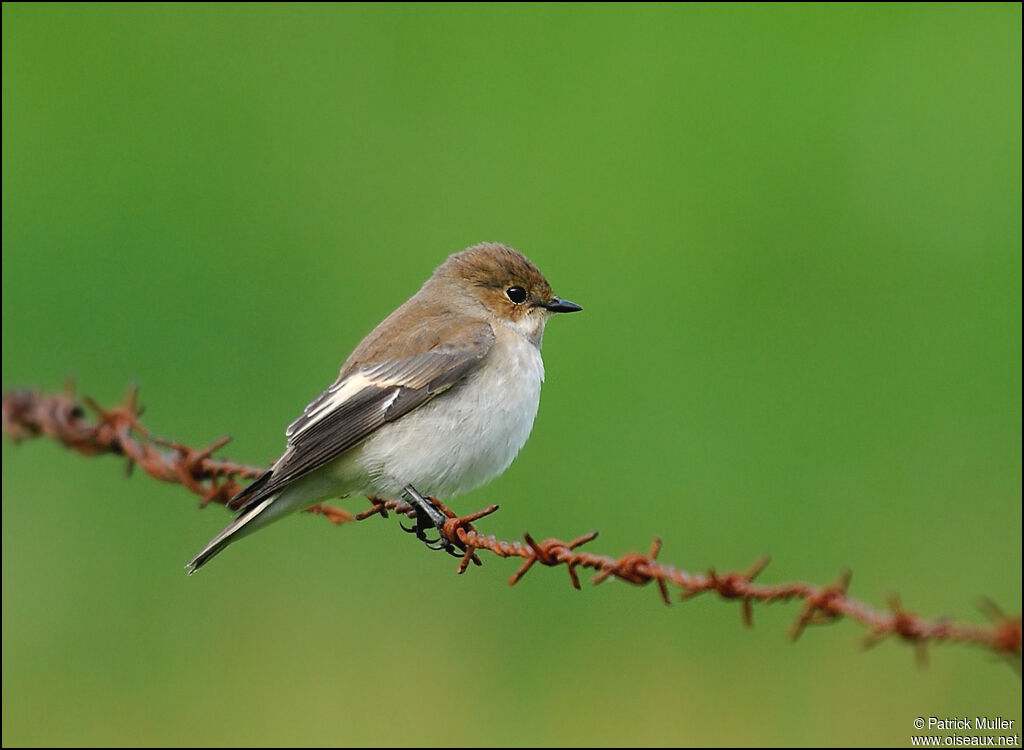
column 435, row 401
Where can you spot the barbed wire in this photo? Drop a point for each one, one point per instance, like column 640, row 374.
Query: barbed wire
column 117, row 430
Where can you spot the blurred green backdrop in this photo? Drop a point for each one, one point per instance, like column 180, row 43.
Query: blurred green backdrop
column 796, row 233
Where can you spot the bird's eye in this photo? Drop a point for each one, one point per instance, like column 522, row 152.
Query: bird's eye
column 517, row 294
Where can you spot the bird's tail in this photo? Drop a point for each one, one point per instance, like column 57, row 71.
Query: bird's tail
column 243, row 523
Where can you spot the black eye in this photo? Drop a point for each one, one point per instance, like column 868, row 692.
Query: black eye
column 517, row 294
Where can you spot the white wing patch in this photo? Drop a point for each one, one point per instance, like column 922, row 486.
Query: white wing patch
column 337, row 395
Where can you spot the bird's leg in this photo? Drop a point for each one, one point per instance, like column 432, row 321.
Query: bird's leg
column 428, row 516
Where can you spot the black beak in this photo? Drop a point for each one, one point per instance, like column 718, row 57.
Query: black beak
column 557, row 304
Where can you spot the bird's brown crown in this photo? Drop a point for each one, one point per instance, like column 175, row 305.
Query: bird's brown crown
column 492, row 270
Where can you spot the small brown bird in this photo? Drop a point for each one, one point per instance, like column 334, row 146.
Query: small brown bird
column 437, row 400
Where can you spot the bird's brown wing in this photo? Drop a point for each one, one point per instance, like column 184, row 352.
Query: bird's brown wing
column 366, row 397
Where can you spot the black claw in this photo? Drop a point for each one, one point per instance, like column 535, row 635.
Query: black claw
column 427, row 519
column 420, row 530
column 454, row 551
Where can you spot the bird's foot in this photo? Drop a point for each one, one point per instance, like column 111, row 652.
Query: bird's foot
column 428, row 517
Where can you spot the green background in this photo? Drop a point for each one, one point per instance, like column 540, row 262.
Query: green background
column 796, row 234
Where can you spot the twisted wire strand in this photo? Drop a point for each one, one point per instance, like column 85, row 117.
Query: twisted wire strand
column 117, row 430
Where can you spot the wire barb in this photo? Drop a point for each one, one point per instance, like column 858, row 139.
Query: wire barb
column 117, row 430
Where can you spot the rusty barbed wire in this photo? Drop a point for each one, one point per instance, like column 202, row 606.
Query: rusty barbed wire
column 28, row 413
column 117, row 430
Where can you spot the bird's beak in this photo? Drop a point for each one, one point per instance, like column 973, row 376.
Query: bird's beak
column 559, row 305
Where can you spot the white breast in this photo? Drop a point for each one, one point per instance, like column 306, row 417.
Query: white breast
column 462, row 438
